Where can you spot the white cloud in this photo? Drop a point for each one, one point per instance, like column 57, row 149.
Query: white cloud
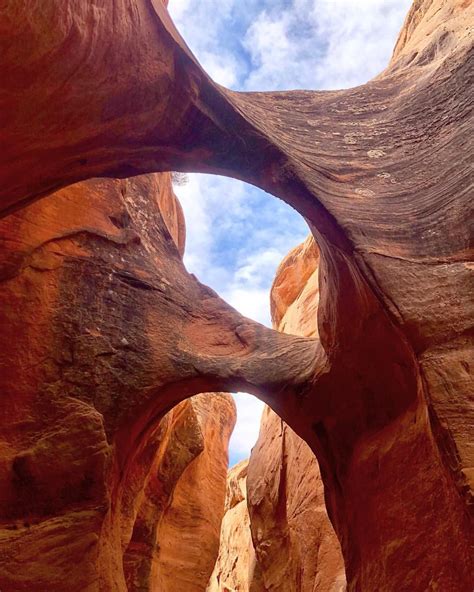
column 360, row 38
column 270, row 49
column 251, row 302
column 178, row 8
column 249, row 413
column 198, row 223
column 201, row 23
column 251, row 268
column 222, row 69
column 322, row 44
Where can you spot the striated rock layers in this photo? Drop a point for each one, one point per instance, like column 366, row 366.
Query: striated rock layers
column 95, row 485
column 113, row 332
column 295, row 544
column 294, row 547
column 175, row 538
column 236, row 568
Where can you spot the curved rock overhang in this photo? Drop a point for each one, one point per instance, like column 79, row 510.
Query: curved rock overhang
column 383, row 175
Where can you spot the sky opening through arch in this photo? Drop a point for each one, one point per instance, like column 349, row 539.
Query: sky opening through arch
column 236, row 234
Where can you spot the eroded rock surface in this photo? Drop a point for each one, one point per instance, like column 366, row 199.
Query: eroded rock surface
column 92, row 291
column 236, row 568
column 296, row 547
column 382, row 173
column 175, row 539
column 276, row 535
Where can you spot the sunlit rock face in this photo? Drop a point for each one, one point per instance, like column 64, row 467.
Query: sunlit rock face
column 276, row 535
column 295, row 544
column 175, row 539
column 103, row 331
column 236, row 567
column 93, row 494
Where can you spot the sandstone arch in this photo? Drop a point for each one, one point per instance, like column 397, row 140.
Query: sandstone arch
column 381, row 173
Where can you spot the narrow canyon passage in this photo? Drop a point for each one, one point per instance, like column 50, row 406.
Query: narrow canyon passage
column 108, row 445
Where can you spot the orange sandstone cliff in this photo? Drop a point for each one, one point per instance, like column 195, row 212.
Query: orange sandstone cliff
column 103, row 331
column 293, row 547
column 295, row 543
column 236, row 568
column 175, row 539
column 83, row 507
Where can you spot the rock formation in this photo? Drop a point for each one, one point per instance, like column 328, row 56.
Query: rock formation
column 189, row 533
column 236, row 569
column 175, row 539
column 295, row 544
column 294, row 547
column 86, row 378
column 113, row 332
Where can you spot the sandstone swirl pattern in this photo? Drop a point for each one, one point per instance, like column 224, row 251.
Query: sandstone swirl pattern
column 383, row 175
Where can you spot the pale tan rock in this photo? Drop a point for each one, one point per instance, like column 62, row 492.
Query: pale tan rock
column 236, row 569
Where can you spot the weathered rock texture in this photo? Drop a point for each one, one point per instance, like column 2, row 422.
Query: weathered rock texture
column 295, row 544
column 189, row 533
column 175, row 539
column 382, row 173
column 236, row 568
column 280, row 504
column 91, row 299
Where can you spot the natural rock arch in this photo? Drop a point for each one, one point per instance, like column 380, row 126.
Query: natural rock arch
column 380, row 172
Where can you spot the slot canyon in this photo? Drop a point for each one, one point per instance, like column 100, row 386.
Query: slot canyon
column 116, row 362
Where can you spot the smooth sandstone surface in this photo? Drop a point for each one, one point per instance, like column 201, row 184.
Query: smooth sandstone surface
column 295, row 544
column 113, row 332
column 85, row 489
column 236, row 568
column 276, row 535
column 175, row 539
column 189, row 533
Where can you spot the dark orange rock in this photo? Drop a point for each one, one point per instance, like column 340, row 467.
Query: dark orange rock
column 188, row 535
column 113, row 332
column 103, row 331
column 295, row 545
column 175, row 538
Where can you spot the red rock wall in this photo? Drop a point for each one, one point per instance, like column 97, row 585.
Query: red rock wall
column 295, row 544
column 104, row 331
column 276, row 535
column 72, row 517
column 188, row 534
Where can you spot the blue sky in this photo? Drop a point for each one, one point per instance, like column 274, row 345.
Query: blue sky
column 236, row 234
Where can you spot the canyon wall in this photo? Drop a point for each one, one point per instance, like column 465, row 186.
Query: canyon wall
column 295, row 544
column 175, row 539
column 104, row 331
column 236, row 568
column 276, row 536
column 73, row 515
